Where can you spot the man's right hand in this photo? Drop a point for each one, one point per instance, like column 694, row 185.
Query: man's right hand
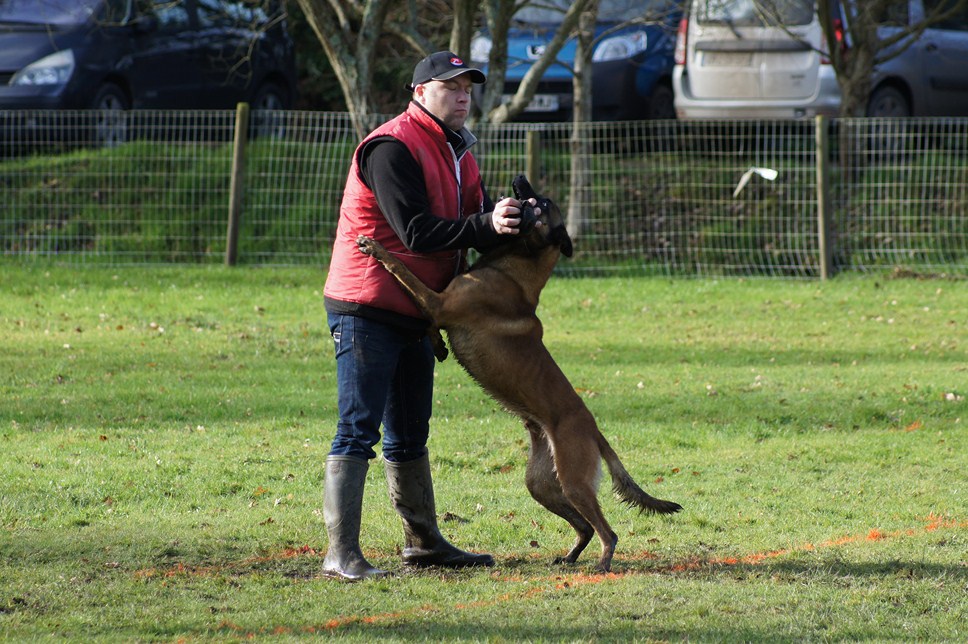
column 506, row 217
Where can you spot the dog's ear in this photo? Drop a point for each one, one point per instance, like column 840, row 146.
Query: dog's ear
column 566, row 248
column 561, row 237
column 522, row 188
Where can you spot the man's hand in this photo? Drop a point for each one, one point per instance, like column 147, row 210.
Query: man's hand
column 506, row 217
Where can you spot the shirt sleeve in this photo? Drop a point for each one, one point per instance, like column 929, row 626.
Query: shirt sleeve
column 397, row 182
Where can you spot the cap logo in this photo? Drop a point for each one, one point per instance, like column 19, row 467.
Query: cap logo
column 456, row 62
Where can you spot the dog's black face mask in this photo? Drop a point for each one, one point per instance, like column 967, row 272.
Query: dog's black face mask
column 554, row 224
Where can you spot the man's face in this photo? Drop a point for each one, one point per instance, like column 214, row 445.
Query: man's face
column 448, row 100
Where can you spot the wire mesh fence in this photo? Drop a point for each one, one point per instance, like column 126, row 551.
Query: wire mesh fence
column 659, row 197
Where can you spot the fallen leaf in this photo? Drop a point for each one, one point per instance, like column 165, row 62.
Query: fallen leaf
column 915, row 426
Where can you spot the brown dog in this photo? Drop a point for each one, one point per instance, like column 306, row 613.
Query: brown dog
column 489, row 315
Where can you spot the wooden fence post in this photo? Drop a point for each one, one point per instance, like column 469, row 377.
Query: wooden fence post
column 532, row 142
column 237, row 184
column 823, row 198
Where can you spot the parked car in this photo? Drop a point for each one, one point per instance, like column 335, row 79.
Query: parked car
column 731, row 63
column 631, row 62
column 929, row 78
column 120, row 54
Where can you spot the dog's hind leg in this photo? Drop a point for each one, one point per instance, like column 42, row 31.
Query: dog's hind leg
column 542, row 483
column 578, row 465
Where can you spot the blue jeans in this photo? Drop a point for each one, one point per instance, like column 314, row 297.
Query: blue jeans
column 382, row 374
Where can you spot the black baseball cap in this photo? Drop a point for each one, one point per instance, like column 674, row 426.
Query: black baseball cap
column 443, row 65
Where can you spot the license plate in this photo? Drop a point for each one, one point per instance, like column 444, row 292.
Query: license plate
column 540, row 103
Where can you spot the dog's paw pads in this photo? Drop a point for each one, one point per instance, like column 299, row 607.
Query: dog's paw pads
column 366, row 245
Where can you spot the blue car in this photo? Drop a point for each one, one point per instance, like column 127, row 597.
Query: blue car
column 632, row 60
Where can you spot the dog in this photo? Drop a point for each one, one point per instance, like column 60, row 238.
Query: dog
column 489, row 314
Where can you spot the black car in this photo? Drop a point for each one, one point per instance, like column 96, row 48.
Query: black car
column 136, row 54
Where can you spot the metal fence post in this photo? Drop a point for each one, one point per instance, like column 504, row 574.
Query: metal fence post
column 823, row 197
column 237, row 185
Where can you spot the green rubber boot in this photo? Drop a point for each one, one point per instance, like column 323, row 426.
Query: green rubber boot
column 342, row 509
column 412, row 494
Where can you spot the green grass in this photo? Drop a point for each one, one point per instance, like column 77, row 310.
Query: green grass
column 164, row 433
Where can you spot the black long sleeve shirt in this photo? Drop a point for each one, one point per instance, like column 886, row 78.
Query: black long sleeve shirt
column 397, row 182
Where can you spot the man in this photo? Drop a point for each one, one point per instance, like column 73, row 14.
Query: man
column 414, row 186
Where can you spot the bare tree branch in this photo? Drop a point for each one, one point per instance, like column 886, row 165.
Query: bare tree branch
column 529, row 84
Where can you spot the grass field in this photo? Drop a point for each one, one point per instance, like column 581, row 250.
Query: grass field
column 164, row 433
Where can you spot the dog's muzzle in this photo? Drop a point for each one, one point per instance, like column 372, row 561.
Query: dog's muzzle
column 528, row 218
column 523, row 191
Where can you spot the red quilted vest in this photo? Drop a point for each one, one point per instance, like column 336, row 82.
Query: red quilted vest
column 358, row 278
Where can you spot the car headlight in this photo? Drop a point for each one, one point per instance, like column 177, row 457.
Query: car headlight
column 55, row 69
column 480, row 49
column 620, row 47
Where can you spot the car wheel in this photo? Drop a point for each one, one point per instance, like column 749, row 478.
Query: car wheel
column 662, row 103
column 266, row 105
column 111, row 122
column 887, row 138
column 887, row 102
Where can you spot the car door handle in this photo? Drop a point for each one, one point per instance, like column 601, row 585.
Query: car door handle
column 931, row 47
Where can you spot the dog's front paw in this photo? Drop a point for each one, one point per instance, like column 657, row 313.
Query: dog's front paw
column 368, row 246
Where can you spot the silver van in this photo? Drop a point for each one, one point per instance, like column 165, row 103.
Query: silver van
column 736, row 60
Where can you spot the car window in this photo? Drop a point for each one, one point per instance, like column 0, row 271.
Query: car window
column 172, row 15
column 893, row 14
column 47, row 12
column 957, row 22
column 553, row 11
column 756, row 13
column 213, row 13
column 253, row 14
column 888, row 14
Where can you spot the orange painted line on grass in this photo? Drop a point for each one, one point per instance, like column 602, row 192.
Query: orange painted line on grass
column 934, row 522
column 558, row 582
column 181, row 569
column 565, row 582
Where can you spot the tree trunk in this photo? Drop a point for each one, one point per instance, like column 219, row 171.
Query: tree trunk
column 579, row 193
column 463, row 28
column 350, row 56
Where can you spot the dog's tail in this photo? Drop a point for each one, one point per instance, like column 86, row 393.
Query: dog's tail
column 628, row 490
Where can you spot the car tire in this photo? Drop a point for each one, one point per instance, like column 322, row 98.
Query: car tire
column 887, row 139
column 111, row 123
column 267, row 102
column 662, row 103
column 888, row 101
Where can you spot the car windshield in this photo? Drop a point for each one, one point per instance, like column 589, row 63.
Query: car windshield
column 757, row 13
column 47, row 12
column 553, row 11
